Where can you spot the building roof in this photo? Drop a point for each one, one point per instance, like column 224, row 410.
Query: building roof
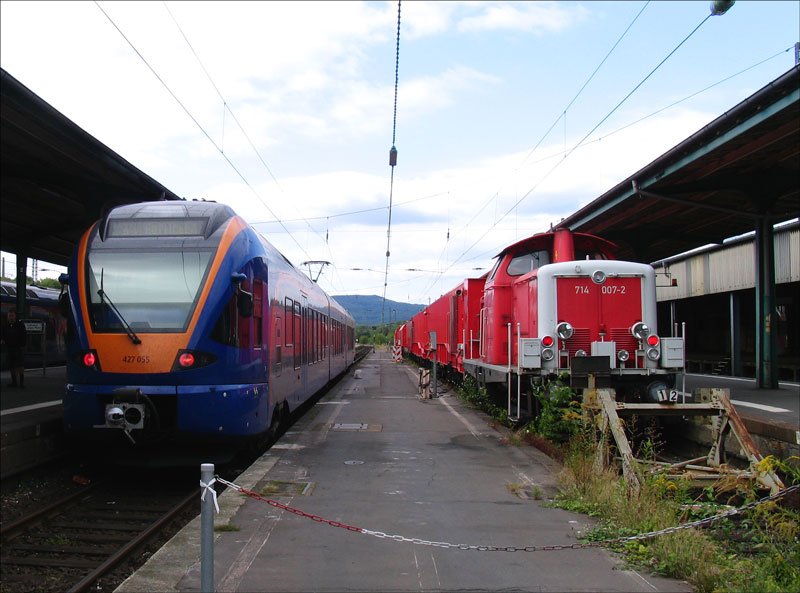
column 56, row 178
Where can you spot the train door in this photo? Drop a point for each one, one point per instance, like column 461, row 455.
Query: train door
column 260, row 318
column 277, row 337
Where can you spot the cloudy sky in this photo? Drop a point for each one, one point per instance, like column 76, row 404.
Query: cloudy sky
column 509, row 117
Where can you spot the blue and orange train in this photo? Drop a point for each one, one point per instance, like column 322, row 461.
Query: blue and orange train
column 186, row 326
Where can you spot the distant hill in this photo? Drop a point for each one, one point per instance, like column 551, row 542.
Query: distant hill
column 366, row 309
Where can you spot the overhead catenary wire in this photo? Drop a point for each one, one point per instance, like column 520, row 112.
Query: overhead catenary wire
column 353, row 212
column 392, row 162
column 560, row 153
column 562, row 114
column 493, row 251
column 576, row 146
column 198, row 124
column 227, row 108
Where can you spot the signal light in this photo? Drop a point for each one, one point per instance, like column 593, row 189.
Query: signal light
column 547, row 341
column 652, row 340
column 89, row 359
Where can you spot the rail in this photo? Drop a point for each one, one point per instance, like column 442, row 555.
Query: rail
column 72, row 543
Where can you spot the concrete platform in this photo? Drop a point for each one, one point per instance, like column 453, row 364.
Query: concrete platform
column 372, row 454
column 771, row 416
column 31, row 420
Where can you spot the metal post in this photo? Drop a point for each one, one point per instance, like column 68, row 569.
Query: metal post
column 207, row 531
column 766, row 341
column 435, row 348
column 683, row 388
column 519, row 371
column 509, row 369
column 736, row 337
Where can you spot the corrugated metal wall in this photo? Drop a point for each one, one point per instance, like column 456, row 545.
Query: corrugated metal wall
column 728, row 268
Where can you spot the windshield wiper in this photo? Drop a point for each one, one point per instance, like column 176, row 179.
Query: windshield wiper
column 104, row 297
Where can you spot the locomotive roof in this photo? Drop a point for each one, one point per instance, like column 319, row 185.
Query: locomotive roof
column 545, row 241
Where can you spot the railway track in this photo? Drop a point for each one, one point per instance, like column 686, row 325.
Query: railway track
column 73, row 543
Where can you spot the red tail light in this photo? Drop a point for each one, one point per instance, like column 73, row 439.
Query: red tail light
column 652, row 340
column 547, row 341
column 89, row 359
column 186, row 359
column 191, row 359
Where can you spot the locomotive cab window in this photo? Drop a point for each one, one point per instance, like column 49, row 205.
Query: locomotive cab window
column 527, row 262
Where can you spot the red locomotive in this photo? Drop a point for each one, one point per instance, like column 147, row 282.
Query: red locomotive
column 554, row 302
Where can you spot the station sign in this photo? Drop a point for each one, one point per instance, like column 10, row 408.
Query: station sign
column 33, row 326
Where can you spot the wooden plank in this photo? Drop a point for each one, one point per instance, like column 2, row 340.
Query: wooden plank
column 617, row 429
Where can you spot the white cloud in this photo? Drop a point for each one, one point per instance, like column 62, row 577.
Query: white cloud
column 539, row 17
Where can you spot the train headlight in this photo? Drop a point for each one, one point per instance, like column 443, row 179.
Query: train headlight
column 580, row 352
column 623, row 355
column 564, row 330
column 115, row 416
column 640, row 330
column 547, row 341
column 598, row 276
column 653, row 354
column 547, row 354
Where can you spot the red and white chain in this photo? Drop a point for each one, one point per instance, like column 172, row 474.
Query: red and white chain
column 576, row 546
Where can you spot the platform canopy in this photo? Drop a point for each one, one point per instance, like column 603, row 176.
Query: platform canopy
column 729, row 178
column 56, row 179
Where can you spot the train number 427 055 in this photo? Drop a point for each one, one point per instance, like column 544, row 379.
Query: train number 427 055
column 139, row 359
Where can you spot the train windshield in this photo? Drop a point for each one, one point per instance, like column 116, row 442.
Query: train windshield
column 527, row 262
column 151, row 291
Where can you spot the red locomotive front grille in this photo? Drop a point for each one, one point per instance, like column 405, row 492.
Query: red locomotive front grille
column 612, row 307
column 580, row 340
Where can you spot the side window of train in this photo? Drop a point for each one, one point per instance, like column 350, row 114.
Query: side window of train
column 288, row 327
column 324, row 336
column 494, row 269
column 297, row 331
column 277, row 359
column 224, row 331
